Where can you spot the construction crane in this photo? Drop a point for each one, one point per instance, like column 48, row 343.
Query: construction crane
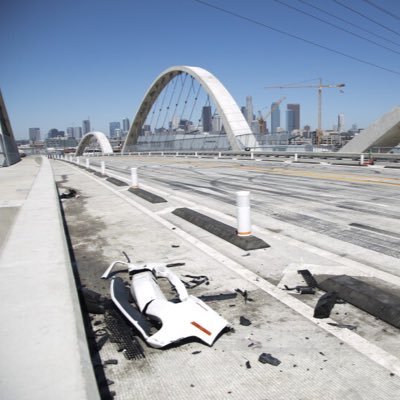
column 320, row 86
column 262, row 120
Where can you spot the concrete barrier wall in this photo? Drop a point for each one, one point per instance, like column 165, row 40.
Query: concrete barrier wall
column 44, row 352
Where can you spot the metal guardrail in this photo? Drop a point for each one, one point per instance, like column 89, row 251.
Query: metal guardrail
column 299, row 156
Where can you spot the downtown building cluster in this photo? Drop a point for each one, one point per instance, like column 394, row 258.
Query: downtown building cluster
column 73, row 134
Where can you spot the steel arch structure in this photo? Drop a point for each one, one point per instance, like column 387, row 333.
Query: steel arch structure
column 232, row 118
column 101, row 139
column 385, row 132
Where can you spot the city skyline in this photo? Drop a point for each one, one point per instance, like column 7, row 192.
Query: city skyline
column 42, row 90
column 209, row 123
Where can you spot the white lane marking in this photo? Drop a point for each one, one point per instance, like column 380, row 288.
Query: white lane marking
column 363, row 346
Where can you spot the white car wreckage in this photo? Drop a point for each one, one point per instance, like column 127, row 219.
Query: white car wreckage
column 188, row 317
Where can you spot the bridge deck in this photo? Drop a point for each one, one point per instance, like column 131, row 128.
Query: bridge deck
column 328, row 219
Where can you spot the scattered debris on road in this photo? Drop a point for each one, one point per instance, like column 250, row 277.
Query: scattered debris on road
column 266, row 358
column 325, row 305
column 68, row 194
column 244, row 321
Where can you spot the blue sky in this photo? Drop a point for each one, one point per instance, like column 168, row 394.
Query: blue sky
column 63, row 61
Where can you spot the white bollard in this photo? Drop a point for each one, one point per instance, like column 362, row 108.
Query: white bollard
column 77, row 161
column 134, row 178
column 87, row 163
column 103, row 168
column 295, row 157
column 252, row 155
column 243, row 213
column 362, row 159
column 162, row 154
column 176, row 154
column 195, row 153
column 219, row 154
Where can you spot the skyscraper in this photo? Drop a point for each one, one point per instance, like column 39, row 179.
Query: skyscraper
column 217, row 123
column 74, row 132
column 249, row 110
column 85, row 126
column 206, row 118
column 34, row 134
column 340, row 126
column 289, row 121
column 296, row 116
column 53, row 133
column 125, row 125
column 275, row 117
column 77, row 132
column 244, row 112
column 113, row 127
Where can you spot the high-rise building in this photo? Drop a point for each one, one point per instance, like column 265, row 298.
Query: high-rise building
column 77, row 132
column 244, row 112
column 275, row 117
column 289, row 121
column 206, row 118
column 74, row 132
column 216, row 123
column 249, row 110
column 53, row 133
column 85, row 126
column 255, row 127
column 340, row 126
column 296, row 116
column 125, row 125
column 34, row 134
column 113, row 127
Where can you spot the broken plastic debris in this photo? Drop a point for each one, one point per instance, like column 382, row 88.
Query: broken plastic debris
column 196, row 281
column 347, row 326
column 245, row 294
column 301, row 289
column 111, row 361
column 308, row 277
column 189, row 317
column 69, row 193
column 266, row 358
column 244, row 321
column 325, row 304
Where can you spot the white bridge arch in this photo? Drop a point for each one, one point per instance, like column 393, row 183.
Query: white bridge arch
column 232, row 118
column 101, row 138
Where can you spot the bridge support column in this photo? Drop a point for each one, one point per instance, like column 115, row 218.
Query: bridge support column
column 243, row 213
